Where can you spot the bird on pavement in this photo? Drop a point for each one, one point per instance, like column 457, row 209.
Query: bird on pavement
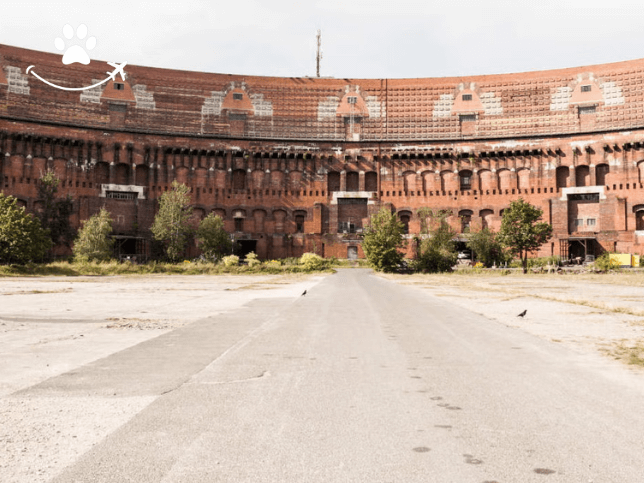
column 303, row 293
column 522, row 313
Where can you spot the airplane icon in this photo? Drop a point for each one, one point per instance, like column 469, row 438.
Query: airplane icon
column 118, row 69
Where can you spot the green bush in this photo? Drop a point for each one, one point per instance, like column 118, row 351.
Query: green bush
column 213, row 240
column 311, row 261
column 382, row 240
column 22, row 238
column 252, row 260
column 486, row 248
column 230, row 261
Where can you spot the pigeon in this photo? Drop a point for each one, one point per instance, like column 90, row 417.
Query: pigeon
column 303, row 293
column 522, row 313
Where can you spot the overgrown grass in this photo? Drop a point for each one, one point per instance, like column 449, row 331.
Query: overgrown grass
column 73, row 269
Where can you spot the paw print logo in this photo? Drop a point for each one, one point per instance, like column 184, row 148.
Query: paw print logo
column 78, row 53
column 75, row 53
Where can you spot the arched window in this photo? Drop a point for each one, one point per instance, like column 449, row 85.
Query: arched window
column 333, row 181
column 239, row 179
column 563, row 173
column 466, row 220
column 600, row 174
column 486, row 218
column 582, row 176
column 371, row 181
column 639, row 217
column 465, row 179
column 405, row 218
column 353, row 181
column 300, row 216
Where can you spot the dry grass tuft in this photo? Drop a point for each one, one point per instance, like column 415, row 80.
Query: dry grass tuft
column 631, row 354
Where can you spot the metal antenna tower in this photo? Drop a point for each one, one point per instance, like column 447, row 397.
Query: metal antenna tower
column 319, row 54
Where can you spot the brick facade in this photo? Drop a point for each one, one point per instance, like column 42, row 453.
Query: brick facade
column 299, row 164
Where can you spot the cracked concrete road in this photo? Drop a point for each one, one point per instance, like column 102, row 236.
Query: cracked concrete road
column 361, row 380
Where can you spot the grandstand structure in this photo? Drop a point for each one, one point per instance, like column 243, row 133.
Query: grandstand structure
column 300, row 163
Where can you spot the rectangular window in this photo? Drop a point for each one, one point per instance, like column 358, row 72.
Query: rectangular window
column 587, row 110
column 239, row 224
column 467, row 117
column 299, row 224
column 237, row 96
column 119, row 87
column 467, row 97
column 121, row 195
column 579, row 222
column 590, row 222
column 584, row 197
column 352, row 100
column 346, row 227
column 466, row 183
column 586, row 88
column 352, row 201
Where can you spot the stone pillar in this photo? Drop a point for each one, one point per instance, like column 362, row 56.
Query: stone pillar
column 343, row 180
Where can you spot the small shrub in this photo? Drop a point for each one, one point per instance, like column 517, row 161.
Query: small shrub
column 230, row 261
column 311, row 261
column 605, row 264
column 543, row 262
column 252, row 260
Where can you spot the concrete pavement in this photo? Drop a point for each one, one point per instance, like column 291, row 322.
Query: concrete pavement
column 361, row 380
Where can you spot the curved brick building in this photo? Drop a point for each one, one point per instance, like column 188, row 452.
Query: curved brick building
column 298, row 164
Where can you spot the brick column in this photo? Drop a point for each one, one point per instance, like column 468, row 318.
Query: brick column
column 475, row 182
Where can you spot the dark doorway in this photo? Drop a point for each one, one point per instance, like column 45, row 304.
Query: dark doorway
column 578, row 250
column 244, row 247
column 134, row 249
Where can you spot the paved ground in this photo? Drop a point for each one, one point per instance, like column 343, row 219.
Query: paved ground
column 361, row 380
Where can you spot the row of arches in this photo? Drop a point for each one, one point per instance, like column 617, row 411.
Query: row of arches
column 506, row 179
column 461, row 220
column 282, row 220
column 351, row 181
column 465, row 180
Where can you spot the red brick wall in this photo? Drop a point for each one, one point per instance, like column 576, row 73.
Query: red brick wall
column 287, row 145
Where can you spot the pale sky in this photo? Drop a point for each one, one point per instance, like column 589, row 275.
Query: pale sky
column 360, row 38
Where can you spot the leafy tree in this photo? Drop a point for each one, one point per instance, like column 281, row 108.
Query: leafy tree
column 522, row 232
column 22, row 238
column 486, row 247
column 56, row 211
column 438, row 252
column 172, row 223
column 93, row 241
column 381, row 240
column 213, row 240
